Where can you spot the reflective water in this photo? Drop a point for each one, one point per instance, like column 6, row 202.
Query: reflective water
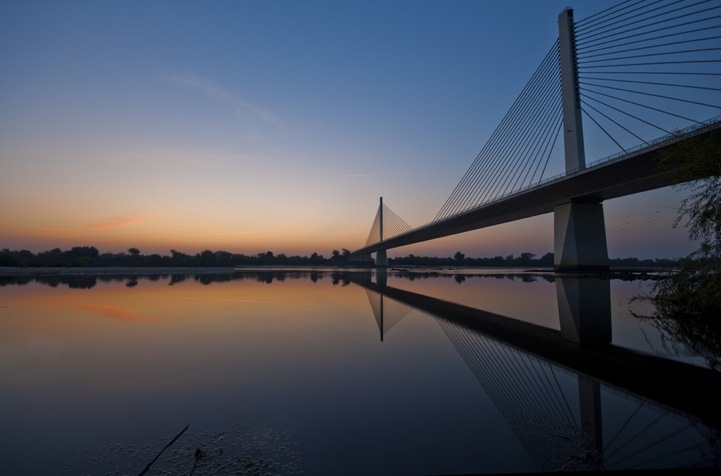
column 328, row 372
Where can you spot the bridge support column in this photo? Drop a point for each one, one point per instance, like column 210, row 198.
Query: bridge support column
column 579, row 228
column 579, row 237
column 382, row 258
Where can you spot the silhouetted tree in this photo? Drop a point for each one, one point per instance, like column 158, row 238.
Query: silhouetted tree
column 546, row 260
column 697, row 285
column 84, row 251
column 688, row 301
column 526, row 258
column 315, row 258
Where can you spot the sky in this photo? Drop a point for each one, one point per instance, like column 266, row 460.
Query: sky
column 249, row 126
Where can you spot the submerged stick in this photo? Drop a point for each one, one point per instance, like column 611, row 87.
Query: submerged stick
column 161, row 451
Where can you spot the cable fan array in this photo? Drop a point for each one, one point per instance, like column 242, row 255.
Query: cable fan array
column 650, row 67
column 517, row 153
column 646, row 69
column 393, row 225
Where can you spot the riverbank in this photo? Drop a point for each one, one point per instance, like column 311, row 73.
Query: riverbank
column 613, row 273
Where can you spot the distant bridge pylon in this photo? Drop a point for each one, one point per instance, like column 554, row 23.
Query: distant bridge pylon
column 386, row 224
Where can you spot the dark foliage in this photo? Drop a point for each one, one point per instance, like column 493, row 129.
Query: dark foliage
column 89, row 256
column 688, row 301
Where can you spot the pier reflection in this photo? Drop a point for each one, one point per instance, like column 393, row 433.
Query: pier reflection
column 573, row 399
column 584, row 310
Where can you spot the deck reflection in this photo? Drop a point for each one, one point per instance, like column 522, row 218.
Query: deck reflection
column 517, row 363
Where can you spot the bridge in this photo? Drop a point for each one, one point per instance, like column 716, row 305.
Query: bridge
column 643, row 73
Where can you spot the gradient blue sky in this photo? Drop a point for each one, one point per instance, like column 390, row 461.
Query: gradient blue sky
column 270, row 125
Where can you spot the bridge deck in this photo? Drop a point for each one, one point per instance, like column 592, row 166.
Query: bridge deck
column 646, row 375
column 632, row 173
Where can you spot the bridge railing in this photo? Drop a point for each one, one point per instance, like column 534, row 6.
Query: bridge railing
column 652, row 143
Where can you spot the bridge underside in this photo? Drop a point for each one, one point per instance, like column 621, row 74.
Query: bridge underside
column 629, row 174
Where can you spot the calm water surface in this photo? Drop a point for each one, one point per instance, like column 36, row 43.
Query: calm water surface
column 316, row 372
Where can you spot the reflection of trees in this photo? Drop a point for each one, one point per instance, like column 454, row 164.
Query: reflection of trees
column 15, row 280
column 269, row 275
column 82, row 282
column 176, row 278
column 73, row 282
column 412, row 275
column 88, row 279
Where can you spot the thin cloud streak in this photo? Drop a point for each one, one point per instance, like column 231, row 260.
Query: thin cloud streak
column 219, row 233
column 120, row 221
column 371, row 175
column 216, row 91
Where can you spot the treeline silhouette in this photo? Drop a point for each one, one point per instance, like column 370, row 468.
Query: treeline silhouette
column 89, row 256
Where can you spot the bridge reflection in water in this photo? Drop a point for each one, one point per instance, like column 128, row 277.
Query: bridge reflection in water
column 573, row 399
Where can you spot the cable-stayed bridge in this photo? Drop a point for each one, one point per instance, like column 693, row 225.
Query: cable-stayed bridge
column 644, row 77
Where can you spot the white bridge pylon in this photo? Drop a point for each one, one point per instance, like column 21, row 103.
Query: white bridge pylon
column 579, row 230
column 386, row 224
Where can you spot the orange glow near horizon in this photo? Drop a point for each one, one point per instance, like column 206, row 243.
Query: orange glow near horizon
column 42, row 224
column 160, row 232
column 153, row 302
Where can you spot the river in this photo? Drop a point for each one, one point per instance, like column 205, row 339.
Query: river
column 329, row 372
